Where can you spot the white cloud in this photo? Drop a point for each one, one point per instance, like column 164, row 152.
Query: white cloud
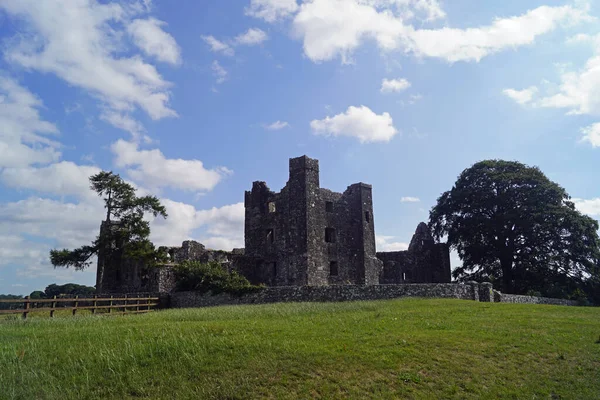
column 153, row 170
column 521, row 96
column 251, row 37
column 580, row 38
column 473, row 44
column 335, row 28
column 67, row 224
column 579, row 91
column 219, row 72
column 590, row 207
column 272, row 10
column 56, row 224
column 223, row 226
column 408, row 199
column 82, row 42
column 394, row 85
column 277, row 125
column 412, row 99
column 217, row 46
column 149, row 36
column 14, row 249
column 359, row 122
column 591, row 134
column 332, row 28
column 123, row 121
column 23, row 132
column 64, row 178
column 32, row 260
column 387, row 243
column 429, row 9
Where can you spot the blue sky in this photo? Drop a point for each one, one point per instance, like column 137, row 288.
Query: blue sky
column 192, row 101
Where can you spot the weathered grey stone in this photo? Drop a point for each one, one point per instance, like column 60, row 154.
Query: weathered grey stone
column 486, row 292
column 474, row 290
column 309, row 236
column 515, row 298
column 469, row 291
column 497, row 296
column 324, row 293
column 303, row 239
column 424, row 261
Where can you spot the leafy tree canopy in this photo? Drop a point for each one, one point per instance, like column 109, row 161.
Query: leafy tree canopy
column 68, row 289
column 510, row 224
column 37, row 294
column 126, row 230
column 10, row 306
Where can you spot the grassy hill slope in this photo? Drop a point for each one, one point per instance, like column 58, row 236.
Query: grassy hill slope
column 407, row 348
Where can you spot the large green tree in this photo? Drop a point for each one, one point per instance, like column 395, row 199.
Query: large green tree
column 510, row 224
column 126, row 230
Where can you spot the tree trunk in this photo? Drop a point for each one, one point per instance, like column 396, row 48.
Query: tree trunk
column 507, row 273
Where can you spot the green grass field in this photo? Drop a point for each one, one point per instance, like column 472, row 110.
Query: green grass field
column 407, row 348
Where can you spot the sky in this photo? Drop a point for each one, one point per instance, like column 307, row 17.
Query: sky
column 193, row 101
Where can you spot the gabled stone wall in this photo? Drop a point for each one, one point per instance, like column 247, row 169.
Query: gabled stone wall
column 424, row 261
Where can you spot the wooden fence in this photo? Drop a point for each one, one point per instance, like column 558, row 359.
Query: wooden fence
column 97, row 305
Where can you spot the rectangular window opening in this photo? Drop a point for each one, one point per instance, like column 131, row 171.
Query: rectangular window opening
column 333, row 268
column 329, row 235
column 367, row 216
column 329, row 206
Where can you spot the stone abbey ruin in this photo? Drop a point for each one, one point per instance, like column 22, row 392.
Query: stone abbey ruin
column 303, row 236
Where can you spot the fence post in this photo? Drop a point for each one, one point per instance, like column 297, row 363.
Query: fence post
column 137, row 308
column 53, row 307
column 26, row 307
column 111, row 304
column 76, row 304
column 125, row 305
column 95, row 304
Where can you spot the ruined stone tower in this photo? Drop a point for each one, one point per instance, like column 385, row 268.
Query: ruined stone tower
column 307, row 235
column 304, row 235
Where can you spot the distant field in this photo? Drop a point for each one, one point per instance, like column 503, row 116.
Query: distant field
column 408, row 348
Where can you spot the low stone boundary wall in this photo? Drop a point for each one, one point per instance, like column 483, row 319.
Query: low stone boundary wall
column 325, row 293
column 515, row 298
column 468, row 291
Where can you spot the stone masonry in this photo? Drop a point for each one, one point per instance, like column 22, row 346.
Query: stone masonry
column 303, row 235
column 306, row 235
column 424, row 261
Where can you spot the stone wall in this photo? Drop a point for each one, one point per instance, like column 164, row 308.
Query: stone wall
column 325, row 293
column 515, row 298
column 424, row 262
column 306, row 235
column 162, row 279
column 469, row 291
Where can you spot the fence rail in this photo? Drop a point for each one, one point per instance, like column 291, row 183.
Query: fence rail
column 126, row 305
